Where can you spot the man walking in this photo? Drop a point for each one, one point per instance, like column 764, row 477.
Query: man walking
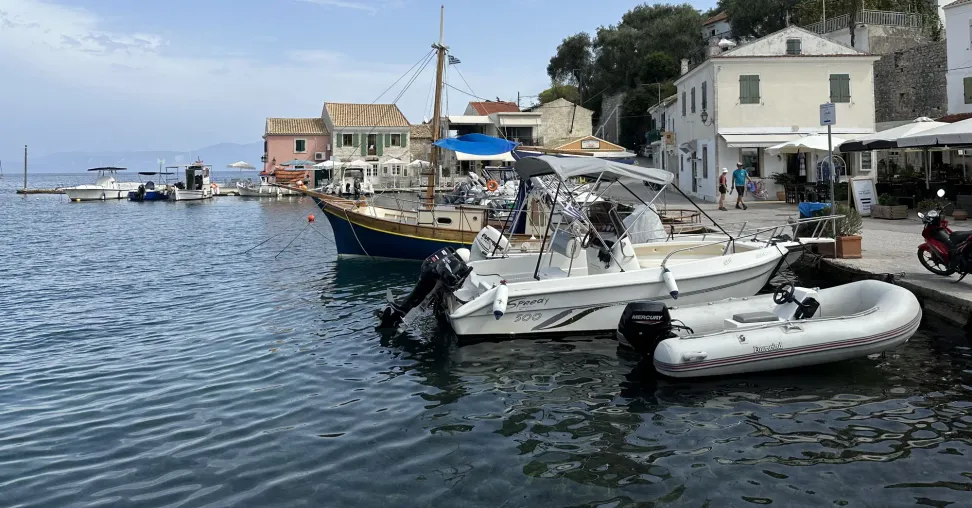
column 739, row 178
column 723, row 188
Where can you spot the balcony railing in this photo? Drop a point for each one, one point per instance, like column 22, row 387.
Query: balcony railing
column 884, row 18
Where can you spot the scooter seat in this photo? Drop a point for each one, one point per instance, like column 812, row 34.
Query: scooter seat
column 957, row 237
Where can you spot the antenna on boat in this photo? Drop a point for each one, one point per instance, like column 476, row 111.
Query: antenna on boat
column 437, row 110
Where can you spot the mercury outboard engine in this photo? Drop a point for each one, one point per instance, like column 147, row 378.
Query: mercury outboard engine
column 446, row 268
column 643, row 325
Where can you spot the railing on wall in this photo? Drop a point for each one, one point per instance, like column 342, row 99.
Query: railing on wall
column 867, row 17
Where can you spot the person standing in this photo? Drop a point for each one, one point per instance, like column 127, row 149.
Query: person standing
column 739, row 178
column 723, row 188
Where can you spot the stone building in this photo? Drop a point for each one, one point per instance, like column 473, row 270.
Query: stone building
column 421, row 137
column 609, row 123
column 910, row 84
column 562, row 121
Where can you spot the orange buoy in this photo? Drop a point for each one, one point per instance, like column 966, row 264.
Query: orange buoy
column 310, row 218
column 492, row 185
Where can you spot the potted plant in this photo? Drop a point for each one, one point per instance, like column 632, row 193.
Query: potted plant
column 783, row 180
column 887, row 209
column 847, row 240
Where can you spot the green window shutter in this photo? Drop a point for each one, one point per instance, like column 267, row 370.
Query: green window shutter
column 749, row 89
column 354, row 140
column 379, row 146
column 754, row 88
column 387, row 139
column 339, row 140
column 845, row 87
column 404, row 139
column 968, row 90
column 833, row 88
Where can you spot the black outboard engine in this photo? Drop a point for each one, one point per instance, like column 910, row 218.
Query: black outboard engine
column 443, row 269
column 643, row 325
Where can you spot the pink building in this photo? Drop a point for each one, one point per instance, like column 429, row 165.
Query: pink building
column 286, row 139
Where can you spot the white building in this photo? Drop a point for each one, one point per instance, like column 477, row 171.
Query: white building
column 717, row 26
column 492, row 118
column 735, row 105
column 373, row 133
column 958, row 48
column 663, row 151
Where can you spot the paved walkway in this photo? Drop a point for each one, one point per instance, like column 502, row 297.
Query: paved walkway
column 888, row 246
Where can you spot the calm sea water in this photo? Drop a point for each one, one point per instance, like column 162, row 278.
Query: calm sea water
column 146, row 360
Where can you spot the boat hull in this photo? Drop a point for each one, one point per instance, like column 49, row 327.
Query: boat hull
column 780, row 345
column 593, row 304
column 190, row 195
column 262, row 191
column 94, row 194
column 360, row 240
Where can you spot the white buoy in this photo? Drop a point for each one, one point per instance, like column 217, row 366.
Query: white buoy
column 670, row 283
column 499, row 303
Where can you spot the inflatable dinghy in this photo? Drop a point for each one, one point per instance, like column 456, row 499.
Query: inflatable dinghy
column 793, row 327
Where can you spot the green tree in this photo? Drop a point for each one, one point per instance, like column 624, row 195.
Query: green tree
column 558, row 91
column 573, row 62
column 757, row 18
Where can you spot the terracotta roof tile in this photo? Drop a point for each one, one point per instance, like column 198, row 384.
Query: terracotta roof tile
column 420, row 131
column 365, row 115
column 717, row 18
column 486, row 108
column 287, row 126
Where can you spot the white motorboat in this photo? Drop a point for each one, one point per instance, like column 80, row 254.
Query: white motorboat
column 794, row 327
column 353, row 181
column 581, row 284
column 105, row 187
column 197, row 186
column 265, row 189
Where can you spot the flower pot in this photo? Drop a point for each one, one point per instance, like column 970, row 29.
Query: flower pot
column 848, row 247
column 889, row 211
column 960, row 214
column 780, row 196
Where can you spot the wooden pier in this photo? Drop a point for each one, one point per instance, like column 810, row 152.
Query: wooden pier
column 40, row 191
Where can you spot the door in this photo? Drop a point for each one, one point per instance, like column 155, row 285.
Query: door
column 695, row 174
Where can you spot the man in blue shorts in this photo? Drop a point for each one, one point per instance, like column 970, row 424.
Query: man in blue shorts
column 739, row 178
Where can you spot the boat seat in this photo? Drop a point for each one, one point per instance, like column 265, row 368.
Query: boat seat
column 755, row 317
column 957, row 237
column 552, row 272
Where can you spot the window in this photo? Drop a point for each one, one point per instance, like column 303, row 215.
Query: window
column 705, row 161
column 372, row 144
column 793, row 47
column 443, row 220
column 347, row 140
column 664, row 122
column 967, row 82
column 300, row 145
column 684, row 101
column 704, row 100
column 839, row 88
column 750, row 158
column 867, row 161
column 749, row 89
column 372, row 170
column 384, row 170
column 693, row 99
column 396, row 140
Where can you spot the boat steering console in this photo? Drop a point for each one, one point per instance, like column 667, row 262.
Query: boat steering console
column 795, row 303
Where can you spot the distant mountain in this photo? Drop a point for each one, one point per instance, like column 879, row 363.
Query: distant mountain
column 146, row 160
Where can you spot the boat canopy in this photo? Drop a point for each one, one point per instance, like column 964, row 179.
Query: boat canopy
column 107, row 168
column 477, row 144
column 592, row 167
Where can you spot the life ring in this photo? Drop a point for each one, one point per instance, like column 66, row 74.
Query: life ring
column 492, row 185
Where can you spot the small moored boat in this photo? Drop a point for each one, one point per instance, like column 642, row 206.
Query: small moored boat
column 794, row 327
column 106, row 187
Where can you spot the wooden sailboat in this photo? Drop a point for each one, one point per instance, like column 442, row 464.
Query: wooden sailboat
column 362, row 229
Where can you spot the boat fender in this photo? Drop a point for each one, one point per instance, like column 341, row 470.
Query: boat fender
column 670, row 283
column 697, row 356
column 499, row 302
column 463, row 254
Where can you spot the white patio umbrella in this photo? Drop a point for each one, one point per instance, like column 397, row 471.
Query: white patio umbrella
column 418, row 163
column 805, row 144
column 241, row 165
column 950, row 134
column 888, row 138
column 393, row 161
column 356, row 164
column 325, row 165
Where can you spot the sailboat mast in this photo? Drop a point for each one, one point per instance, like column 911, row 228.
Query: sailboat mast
column 437, row 110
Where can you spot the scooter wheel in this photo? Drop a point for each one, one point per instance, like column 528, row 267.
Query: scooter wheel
column 931, row 263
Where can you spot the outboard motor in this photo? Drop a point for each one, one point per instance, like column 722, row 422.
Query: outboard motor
column 644, row 325
column 446, row 268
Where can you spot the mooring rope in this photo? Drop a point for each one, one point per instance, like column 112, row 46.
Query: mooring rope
column 351, row 225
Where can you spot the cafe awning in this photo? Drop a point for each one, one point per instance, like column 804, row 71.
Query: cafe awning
column 757, row 140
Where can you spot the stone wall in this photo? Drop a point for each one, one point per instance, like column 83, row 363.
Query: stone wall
column 911, row 83
column 608, row 123
column 563, row 121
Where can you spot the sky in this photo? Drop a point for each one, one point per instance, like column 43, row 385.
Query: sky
column 110, row 75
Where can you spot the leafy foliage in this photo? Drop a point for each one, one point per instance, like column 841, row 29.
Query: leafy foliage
column 887, row 200
column 756, row 18
column 851, row 223
column 560, row 91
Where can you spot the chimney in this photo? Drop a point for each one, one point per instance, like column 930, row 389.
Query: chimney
column 684, row 66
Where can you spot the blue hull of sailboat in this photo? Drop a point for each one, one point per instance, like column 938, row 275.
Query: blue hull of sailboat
column 357, row 240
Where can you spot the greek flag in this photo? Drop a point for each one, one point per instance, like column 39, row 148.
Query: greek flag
column 453, row 60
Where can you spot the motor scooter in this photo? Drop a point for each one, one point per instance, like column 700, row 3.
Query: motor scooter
column 945, row 251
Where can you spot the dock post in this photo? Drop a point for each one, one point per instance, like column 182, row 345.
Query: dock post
column 25, row 167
